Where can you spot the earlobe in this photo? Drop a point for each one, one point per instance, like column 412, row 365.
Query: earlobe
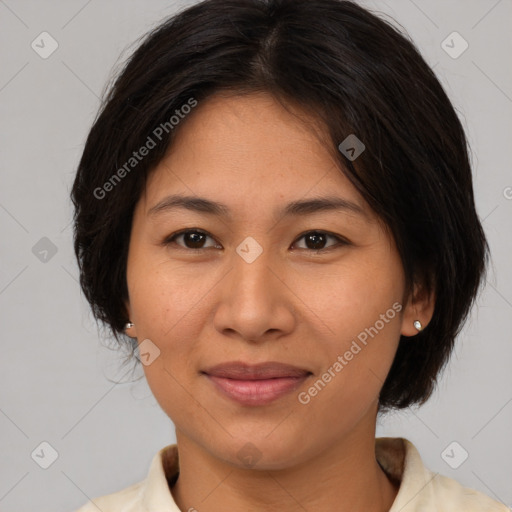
column 129, row 327
column 418, row 312
column 417, row 324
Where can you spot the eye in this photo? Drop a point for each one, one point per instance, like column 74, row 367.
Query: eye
column 315, row 241
column 192, row 239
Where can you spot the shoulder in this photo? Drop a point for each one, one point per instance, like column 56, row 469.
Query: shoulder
column 423, row 490
column 453, row 496
column 152, row 493
column 126, row 500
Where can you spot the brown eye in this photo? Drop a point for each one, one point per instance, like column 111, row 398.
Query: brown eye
column 195, row 239
column 190, row 239
column 316, row 240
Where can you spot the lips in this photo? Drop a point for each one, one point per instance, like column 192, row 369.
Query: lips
column 244, row 371
column 258, row 384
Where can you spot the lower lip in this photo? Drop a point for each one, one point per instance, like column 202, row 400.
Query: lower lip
column 256, row 392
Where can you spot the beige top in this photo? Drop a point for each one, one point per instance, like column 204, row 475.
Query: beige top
column 420, row 489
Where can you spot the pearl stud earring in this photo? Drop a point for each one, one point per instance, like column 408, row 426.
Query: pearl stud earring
column 418, row 325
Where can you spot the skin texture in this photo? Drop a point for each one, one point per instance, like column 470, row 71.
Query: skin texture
column 291, row 305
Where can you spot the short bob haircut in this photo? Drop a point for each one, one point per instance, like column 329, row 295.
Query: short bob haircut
column 356, row 74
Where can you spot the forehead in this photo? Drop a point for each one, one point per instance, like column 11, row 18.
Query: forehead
column 249, row 151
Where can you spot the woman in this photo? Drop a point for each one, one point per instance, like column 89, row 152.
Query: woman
column 275, row 206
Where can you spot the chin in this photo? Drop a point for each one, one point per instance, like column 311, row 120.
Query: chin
column 258, row 451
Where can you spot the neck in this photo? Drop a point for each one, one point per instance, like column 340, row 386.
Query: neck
column 345, row 477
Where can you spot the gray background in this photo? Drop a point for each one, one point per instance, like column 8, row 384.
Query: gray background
column 59, row 381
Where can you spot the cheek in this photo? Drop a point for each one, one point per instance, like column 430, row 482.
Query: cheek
column 354, row 294
column 164, row 296
column 354, row 371
column 362, row 308
column 168, row 305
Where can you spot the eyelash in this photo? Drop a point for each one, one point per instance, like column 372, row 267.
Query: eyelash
column 170, row 240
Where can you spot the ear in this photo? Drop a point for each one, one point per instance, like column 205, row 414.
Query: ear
column 132, row 331
column 420, row 306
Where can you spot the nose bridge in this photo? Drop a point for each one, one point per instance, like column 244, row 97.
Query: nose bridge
column 252, row 272
column 253, row 300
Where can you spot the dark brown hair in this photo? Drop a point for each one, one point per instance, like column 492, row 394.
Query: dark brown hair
column 357, row 74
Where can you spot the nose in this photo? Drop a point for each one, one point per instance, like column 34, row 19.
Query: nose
column 255, row 302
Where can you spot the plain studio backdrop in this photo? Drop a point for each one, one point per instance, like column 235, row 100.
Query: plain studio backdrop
column 65, row 395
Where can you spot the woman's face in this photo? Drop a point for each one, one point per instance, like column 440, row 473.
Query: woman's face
column 255, row 285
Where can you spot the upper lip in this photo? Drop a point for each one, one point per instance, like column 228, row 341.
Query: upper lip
column 244, row 371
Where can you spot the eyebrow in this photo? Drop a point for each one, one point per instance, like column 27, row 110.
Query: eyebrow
column 295, row 208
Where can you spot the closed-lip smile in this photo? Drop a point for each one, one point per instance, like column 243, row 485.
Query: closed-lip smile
column 255, row 384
